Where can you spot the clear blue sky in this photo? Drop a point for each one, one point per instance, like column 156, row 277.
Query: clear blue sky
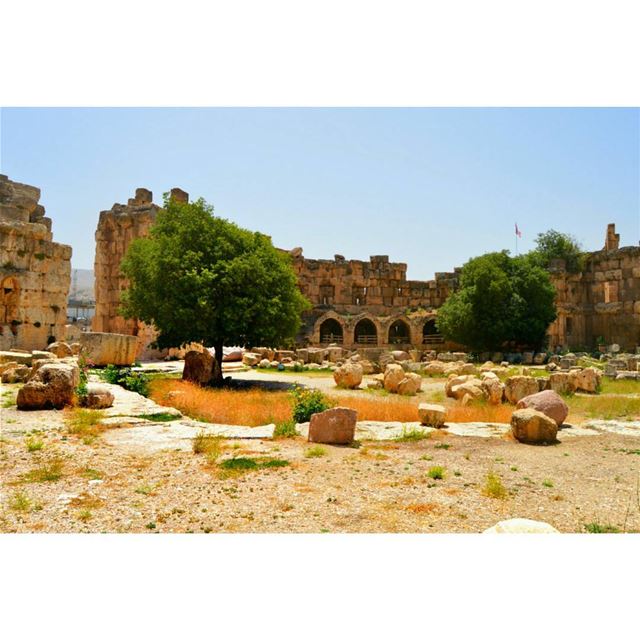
column 430, row 187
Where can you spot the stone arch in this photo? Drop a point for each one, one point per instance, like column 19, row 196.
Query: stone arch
column 430, row 333
column 9, row 299
column 399, row 332
column 365, row 332
column 331, row 331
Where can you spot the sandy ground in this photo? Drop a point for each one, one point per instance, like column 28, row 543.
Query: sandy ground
column 143, row 477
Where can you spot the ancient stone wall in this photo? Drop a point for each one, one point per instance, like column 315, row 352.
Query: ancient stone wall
column 34, row 271
column 117, row 227
column 371, row 303
column 600, row 303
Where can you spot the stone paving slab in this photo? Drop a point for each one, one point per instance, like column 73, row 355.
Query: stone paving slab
column 622, row 427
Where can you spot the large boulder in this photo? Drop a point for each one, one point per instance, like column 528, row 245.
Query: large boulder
column 454, row 381
column 533, row 427
column 521, row 525
column 60, row 349
column 400, row 356
column 98, row 397
column 561, row 382
column 15, row 373
column 349, row 375
column 410, row 384
column 547, row 402
column 435, row 368
column 432, row 415
column 518, row 387
column 251, row 359
column 469, row 391
column 587, row 379
column 198, row 367
column 493, row 388
column 16, row 357
column 52, row 387
column 109, row 348
column 333, row 426
column 393, row 375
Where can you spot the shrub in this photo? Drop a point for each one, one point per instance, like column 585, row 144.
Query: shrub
column 315, row 452
column 436, row 473
column 286, row 429
column 125, row 377
column 493, row 486
column 34, row 444
column 306, row 402
column 20, row 501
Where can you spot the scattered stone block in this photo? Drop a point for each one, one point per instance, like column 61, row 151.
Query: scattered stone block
column 333, row 426
column 432, row 415
column 349, row 375
column 533, row 427
column 521, row 525
column 518, row 387
column 199, row 367
column 547, row 402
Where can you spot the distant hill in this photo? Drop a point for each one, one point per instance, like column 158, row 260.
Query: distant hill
column 81, row 284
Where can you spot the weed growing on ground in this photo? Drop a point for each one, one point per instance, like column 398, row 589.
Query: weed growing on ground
column 547, row 483
column 34, row 444
column 315, row 452
column 235, row 466
column 84, row 515
column 595, row 527
column 285, row 429
column 493, row 486
column 91, row 474
column 412, row 435
column 211, row 446
column 158, row 417
column 84, row 423
column 436, row 473
column 443, row 445
column 50, row 471
column 146, row 490
column 20, row 501
column 306, row 402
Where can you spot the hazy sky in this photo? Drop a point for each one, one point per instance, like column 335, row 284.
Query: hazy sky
column 430, row 187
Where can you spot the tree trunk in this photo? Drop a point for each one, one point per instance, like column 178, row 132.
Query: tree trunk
column 217, row 378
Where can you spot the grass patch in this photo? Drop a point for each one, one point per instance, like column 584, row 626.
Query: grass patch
column 286, row 429
column 493, row 486
column 209, row 445
column 34, row 444
column 595, row 527
column 50, row 471
column 315, row 452
column 91, row 474
column 443, row 445
column 625, row 387
column 235, row 466
column 20, row 501
column 436, row 473
column 547, row 483
column 159, row 417
column 413, row 435
column 605, row 407
column 84, row 423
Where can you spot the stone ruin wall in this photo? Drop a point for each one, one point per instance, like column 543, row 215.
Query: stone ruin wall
column 602, row 301
column 347, row 292
column 117, row 228
column 35, row 272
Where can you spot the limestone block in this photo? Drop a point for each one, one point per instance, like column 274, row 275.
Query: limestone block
column 109, row 348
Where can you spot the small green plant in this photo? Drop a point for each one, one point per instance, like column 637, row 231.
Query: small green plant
column 306, row 402
column 91, row 474
column 595, row 527
column 84, row 423
column 150, row 525
column 20, row 501
column 210, row 445
column 315, row 452
column 50, row 471
column 39, row 256
column 412, row 435
column 493, row 486
column 514, row 468
column 145, row 490
column 85, row 515
column 34, row 444
column 457, row 473
column 426, row 457
column 158, row 417
column 442, row 445
column 286, row 429
column 436, row 473
column 547, row 483
column 82, row 389
column 130, row 380
column 242, row 465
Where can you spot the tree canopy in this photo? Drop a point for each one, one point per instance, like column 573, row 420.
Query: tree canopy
column 201, row 278
column 553, row 245
column 500, row 299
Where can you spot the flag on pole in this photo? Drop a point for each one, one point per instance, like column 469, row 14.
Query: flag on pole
column 518, row 232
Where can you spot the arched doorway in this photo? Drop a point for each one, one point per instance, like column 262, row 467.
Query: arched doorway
column 365, row 332
column 430, row 333
column 331, row 331
column 399, row 333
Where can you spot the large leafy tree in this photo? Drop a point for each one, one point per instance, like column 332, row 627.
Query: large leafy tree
column 200, row 278
column 554, row 245
column 500, row 299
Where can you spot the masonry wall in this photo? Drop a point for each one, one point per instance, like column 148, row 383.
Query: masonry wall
column 35, row 272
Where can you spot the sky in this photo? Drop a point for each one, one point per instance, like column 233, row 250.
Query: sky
column 431, row 187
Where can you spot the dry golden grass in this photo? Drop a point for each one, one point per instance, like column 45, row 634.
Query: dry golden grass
column 252, row 408
column 422, row 507
column 479, row 412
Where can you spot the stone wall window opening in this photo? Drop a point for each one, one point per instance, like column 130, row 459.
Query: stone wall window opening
column 331, row 332
column 430, row 333
column 365, row 332
column 9, row 299
column 358, row 295
column 399, row 333
column 327, row 292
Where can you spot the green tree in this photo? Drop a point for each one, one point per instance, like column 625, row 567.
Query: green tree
column 553, row 245
column 500, row 299
column 200, row 278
